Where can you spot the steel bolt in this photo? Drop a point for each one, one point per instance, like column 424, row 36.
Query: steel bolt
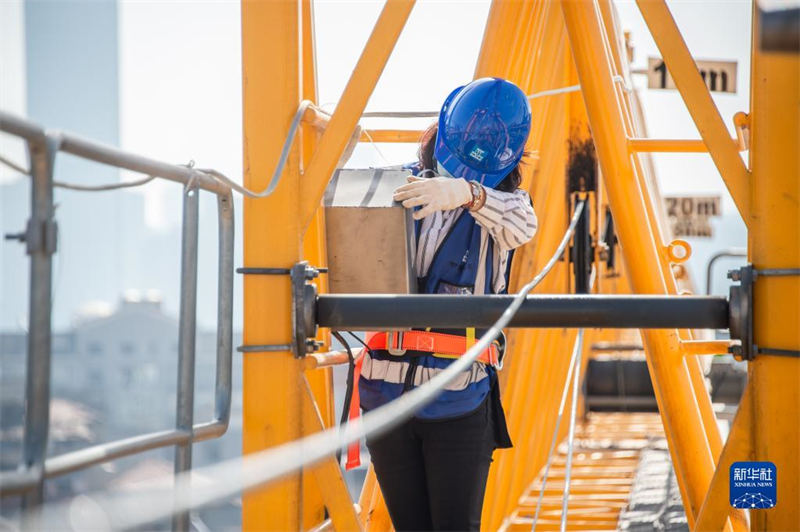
column 15, row 236
column 735, row 275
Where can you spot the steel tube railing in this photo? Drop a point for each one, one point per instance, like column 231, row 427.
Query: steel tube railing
column 40, row 240
column 97, row 454
column 17, row 482
column 370, row 312
column 109, row 155
column 187, row 329
column 40, row 243
column 223, row 385
column 100, row 153
column 19, row 127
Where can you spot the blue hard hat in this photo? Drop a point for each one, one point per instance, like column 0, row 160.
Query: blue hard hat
column 483, row 127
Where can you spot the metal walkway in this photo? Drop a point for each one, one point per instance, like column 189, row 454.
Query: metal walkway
column 608, row 448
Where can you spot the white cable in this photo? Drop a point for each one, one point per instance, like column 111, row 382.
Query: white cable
column 619, row 79
column 14, row 166
column 575, row 361
column 555, row 435
column 434, row 114
column 374, row 145
column 571, row 435
column 276, row 175
column 553, row 92
column 82, row 188
column 232, row 477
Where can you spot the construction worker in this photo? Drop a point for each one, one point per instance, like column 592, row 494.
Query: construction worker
column 470, row 216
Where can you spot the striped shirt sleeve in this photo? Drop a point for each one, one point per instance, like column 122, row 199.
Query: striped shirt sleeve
column 508, row 216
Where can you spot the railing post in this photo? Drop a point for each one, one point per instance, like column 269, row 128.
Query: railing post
column 40, row 239
column 186, row 339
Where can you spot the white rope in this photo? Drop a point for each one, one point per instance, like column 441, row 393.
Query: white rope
column 14, row 166
column 555, row 434
column 619, row 79
column 575, row 362
column 553, row 92
column 571, row 437
column 374, row 145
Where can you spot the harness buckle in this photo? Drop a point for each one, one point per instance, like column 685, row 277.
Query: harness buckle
column 500, row 344
column 394, row 343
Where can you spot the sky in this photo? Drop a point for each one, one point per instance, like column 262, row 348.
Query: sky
column 180, row 84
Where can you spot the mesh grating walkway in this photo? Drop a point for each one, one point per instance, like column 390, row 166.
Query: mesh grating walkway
column 608, row 451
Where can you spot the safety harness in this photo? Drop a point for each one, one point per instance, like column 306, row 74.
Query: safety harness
column 398, row 343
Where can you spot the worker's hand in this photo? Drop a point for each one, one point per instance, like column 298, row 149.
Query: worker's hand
column 434, row 194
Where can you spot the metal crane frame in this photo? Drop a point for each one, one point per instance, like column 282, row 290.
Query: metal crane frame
column 538, row 45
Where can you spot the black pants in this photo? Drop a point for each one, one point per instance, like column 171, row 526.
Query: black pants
column 433, row 473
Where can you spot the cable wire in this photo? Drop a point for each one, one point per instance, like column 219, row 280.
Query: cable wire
column 232, row 477
column 276, row 175
column 555, row 434
column 82, row 188
column 571, row 437
column 104, row 188
column 14, row 166
column 575, row 362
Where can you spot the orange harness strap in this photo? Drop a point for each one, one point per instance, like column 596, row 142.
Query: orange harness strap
column 439, row 344
column 354, row 449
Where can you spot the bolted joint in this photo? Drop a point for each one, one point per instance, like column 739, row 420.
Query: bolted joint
column 735, row 275
column 304, row 298
column 310, row 272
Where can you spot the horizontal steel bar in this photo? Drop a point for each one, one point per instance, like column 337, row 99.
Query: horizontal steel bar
column 101, row 153
column 16, row 482
column 609, row 347
column 673, row 145
column 324, row 360
column 104, row 154
column 365, row 312
column 778, row 272
column 14, row 125
column 97, row 454
column 264, row 348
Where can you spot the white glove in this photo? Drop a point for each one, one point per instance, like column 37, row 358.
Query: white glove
column 434, row 193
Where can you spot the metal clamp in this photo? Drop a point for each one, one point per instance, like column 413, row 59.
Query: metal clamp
column 304, row 298
column 394, row 343
column 741, row 312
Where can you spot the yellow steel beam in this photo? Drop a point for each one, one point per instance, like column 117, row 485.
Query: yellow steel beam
column 328, row 474
column 774, row 242
column 352, row 103
column 716, row 507
column 705, row 347
column 724, row 151
column 683, row 421
column 321, row 382
column 529, row 374
column 669, row 145
column 374, row 517
column 391, row 135
column 657, row 218
column 272, row 237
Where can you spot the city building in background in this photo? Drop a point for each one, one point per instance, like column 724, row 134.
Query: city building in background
column 114, row 375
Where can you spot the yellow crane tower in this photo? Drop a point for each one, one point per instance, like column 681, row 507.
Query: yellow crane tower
column 538, row 45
